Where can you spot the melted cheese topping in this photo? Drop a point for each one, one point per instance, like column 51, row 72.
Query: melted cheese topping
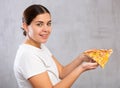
column 101, row 56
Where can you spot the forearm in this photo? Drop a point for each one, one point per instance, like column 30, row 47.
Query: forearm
column 70, row 67
column 67, row 81
column 71, row 77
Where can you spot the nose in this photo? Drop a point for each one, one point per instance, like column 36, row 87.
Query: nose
column 46, row 28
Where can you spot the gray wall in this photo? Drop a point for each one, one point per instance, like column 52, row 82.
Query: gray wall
column 78, row 25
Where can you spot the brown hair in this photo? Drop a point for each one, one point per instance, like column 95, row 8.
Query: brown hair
column 31, row 12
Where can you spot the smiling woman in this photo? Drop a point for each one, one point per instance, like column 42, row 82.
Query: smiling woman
column 36, row 24
column 39, row 29
column 35, row 66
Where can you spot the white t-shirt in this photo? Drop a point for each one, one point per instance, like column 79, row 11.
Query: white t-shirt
column 31, row 61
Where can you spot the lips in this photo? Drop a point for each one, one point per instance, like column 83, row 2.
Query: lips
column 44, row 36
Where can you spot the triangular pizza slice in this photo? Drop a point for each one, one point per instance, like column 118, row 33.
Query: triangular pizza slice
column 101, row 56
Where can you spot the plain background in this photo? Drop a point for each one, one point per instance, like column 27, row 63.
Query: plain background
column 78, row 25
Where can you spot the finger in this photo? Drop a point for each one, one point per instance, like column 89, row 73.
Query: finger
column 92, row 61
column 94, row 64
column 87, row 58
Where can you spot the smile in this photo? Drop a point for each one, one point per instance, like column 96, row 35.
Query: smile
column 44, row 36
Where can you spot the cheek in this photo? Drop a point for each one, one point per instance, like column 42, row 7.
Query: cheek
column 50, row 30
column 30, row 32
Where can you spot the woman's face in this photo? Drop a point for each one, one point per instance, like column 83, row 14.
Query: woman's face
column 40, row 28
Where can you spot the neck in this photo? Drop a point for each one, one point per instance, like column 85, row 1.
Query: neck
column 32, row 42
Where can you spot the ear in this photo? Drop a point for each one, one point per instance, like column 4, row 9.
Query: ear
column 25, row 27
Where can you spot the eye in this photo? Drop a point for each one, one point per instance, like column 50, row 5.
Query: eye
column 39, row 24
column 49, row 23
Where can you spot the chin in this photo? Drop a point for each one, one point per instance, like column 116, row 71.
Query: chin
column 44, row 41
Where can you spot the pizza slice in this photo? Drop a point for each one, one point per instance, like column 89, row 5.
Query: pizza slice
column 101, row 56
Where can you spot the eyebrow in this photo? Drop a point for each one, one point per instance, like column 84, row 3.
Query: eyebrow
column 42, row 21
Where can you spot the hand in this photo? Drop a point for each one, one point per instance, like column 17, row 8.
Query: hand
column 89, row 66
column 86, row 58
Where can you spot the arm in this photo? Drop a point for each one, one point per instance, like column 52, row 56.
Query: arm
column 65, row 70
column 42, row 80
column 71, row 77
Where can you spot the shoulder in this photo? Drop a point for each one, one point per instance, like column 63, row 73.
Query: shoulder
column 46, row 49
column 26, row 54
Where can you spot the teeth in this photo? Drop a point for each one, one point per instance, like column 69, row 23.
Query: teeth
column 44, row 36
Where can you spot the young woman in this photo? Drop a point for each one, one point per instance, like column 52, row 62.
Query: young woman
column 35, row 66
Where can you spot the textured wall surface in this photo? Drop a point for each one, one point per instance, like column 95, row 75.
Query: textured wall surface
column 77, row 26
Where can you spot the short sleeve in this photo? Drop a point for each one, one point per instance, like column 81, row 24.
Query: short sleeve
column 31, row 65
